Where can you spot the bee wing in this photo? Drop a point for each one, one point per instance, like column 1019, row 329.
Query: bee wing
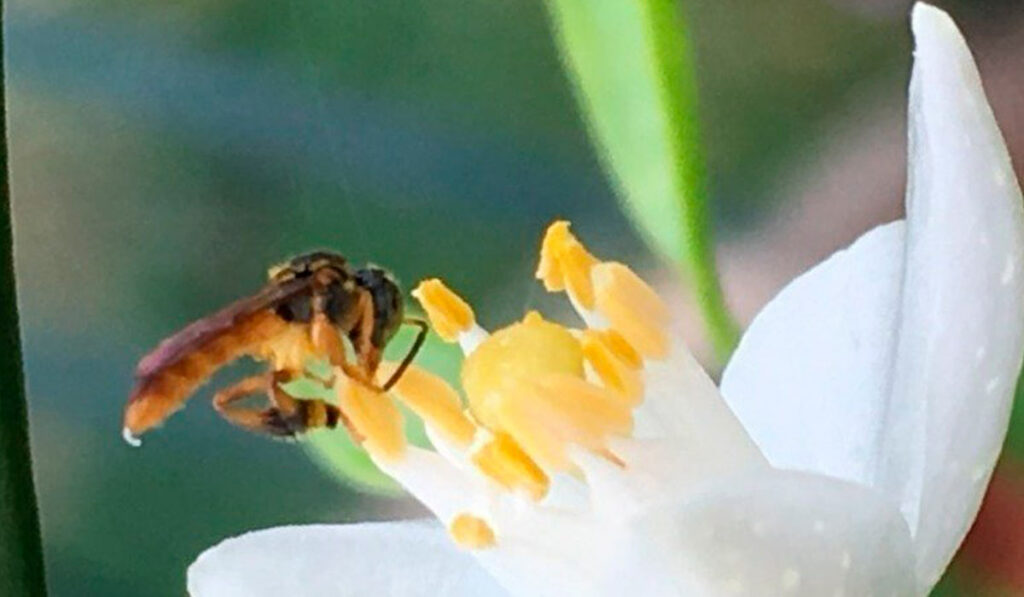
column 199, row 332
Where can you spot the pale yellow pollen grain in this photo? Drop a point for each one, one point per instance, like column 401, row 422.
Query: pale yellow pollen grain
column 434, row 401
column 504, row 461
column 374, row 416
column 471, row 532
column 449, row 314
column 632, row 308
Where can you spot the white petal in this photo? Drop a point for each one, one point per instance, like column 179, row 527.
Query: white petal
column 810, row 377
column 682, row 404
column 778, row 533
column 438, row 484
column 962, row 324
column 401, row 559
column 946, row 394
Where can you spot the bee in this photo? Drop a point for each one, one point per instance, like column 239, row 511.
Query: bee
column 306, row 310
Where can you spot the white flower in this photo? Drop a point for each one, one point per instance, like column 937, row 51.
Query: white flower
column 866, row 408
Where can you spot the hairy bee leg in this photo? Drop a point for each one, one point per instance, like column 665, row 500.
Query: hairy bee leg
column 286, row 417
column 369, row 355
column 327, row 340
column 247, row 418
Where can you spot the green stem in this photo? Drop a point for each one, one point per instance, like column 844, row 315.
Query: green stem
column 21, row 550
column 632, row 70
column 673, row 58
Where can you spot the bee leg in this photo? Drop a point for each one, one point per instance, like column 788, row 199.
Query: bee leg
column 368, row 354
column 295, row 417
column 285, row 418
column 327, row 340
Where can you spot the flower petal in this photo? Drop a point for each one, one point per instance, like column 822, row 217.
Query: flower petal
column 923, row 416
column 810, row 377
column 402, row 559
column 962, row 325
column 778, row 533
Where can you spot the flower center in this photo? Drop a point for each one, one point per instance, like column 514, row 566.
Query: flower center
column 536, row 391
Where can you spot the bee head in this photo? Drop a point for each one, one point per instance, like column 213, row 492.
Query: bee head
column 306, row 264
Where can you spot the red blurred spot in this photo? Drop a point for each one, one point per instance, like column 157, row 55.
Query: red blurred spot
column 994, row 548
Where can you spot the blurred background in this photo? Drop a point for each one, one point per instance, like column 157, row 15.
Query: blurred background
column 163, row 154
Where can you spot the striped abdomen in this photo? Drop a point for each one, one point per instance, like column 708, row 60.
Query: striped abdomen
column 166, row 386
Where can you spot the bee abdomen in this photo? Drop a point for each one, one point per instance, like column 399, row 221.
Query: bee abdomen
column 158, row 395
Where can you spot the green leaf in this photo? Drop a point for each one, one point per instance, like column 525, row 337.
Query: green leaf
column 21, row 549
column 633, row 77
column 334, row 450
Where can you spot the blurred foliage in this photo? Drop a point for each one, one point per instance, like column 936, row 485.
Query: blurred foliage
column 634, row 80
column 163, row 154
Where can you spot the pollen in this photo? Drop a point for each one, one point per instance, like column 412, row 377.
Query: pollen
column 617, row 368
column 448, row 313
column 537, row 394
column 434, row 401
column 565, row 265
column 632, row 308
column 527, row 380
column 505, row 462
column 374, row 416
column 471, row 532
column 514, row 357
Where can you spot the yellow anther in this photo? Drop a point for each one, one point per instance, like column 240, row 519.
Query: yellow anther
column 471, row 532
column 559, row 410
column 549, row 270
column 589, row 412
column 632, row 308
column 566, row 265
column 433, row 400
column 514, row 357
column 619, row 373
column 508, row 465
column 374, row 416
column 448, row 313
column 620, row 348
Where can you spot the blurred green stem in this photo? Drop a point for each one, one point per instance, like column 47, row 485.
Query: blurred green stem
column 21, row 550
column 632, row 70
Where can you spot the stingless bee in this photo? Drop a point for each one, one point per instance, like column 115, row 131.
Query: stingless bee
column 306, row 309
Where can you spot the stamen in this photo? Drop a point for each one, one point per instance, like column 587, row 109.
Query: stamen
column 614, row 342
column 505, row 462
column 434, row 401
column 616, row 371
column 557, row 411
column 527, row 380
column 471, row 532
column 449, row 314
column 632, row 308
column 566, row 264
column 549, row 270
column 374, row 416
